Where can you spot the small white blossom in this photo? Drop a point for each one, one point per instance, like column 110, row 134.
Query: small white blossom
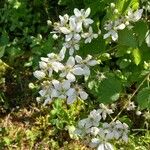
column 134, row 16
column 81, row 16
column 104, row 111
column 70, row 70
column 130, row 106
column 75, row 93
column 89, row 36
column 86, row 63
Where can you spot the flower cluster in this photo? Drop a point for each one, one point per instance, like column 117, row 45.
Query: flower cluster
column 75, row 28
column 121, row 23
column 58, row 75
column 99, row 133
column 65, row 87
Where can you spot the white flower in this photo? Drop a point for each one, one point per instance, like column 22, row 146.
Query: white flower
column 39, row 74
column 70, row 70
column 72, row 46
column 89, row 35
column 113, row 27
column 81, row 16
column 95, row 117
column 123, row 129
column 74, row 93
column 130, row 106
column 74, row 31
column 134, row 16
column 104, row 111
column 52, row 62
column 85, row 64
column 60, row 88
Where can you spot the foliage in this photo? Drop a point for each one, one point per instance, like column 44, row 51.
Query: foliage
column 117, row 40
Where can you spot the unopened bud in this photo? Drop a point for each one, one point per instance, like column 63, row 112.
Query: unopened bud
column 55, row 36
column 49, row 23
column 127, row 23
column 138, row 113
column 112, row 5
column 31, row 86
column 116, row 11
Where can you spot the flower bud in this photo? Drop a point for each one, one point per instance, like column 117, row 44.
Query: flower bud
column 31, row 86
column 55, row 36
column 116, row 11
column 49, row 23
column 138, row 113
column 112, row 5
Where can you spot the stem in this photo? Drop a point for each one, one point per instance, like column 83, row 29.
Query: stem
column 131, row 97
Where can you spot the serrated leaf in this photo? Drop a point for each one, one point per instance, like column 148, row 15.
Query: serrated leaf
column 109, row 90
column 143, row 98
column 140, row 30
column 127, row 38
column 137, row 56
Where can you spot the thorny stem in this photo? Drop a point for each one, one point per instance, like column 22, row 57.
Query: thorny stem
column 132, row 96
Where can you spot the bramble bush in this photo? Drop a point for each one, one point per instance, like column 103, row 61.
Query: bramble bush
column 92, row 65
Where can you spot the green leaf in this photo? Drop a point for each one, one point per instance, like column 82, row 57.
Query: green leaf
column 4, row 39
column 95, row 47
column 137, row 56
column 140, row 30
column 127, row 38
column 109, row 90
column 143, row 98
column 2, row 51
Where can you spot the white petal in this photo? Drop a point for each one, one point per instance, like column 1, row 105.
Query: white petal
column 56, row 84
column 77, row 71
column 101, row 147
column 88, row 21
column 43, row 65
column 64, row 30
column 121, row 26
column 108, row 146
column 77, row 37
column 70, row 77
column 71, row 51
column 70, row 92
column 71, row 61
column 72, row 24
column 83, row 95
column 39, row 74
column 77, row 12
column 54, row 93
column 71, row 99
column 66, row 84
column 68, row 37
column 45, row 59
column 107, row 35
column 138, row 14
column 114, row 35
column 62, row 53
column 92, row 63
column 87, row 12
column 57, row 66
column 42, row 92
column 86, row 71
column 78, row 59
